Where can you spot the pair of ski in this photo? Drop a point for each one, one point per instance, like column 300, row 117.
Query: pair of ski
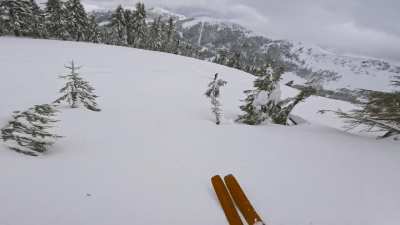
column 239, row 198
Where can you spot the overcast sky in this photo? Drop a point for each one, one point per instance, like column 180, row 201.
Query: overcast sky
column 359, row 27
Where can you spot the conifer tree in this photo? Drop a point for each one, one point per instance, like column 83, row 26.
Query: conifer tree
column 234, row 61
column 77, row 91
column 264, row 102
column 155, row 35
column 213, row 92
column 77, row 20
column 3, row 17
column 169, row 36
column 29, row 131
column 130, row 22
column 139, row 26
column 221, row 57
column 55, row 19
column 37, row 24
column 118, row 26
column 380, row 112
column 93, row 33
column 17, row 16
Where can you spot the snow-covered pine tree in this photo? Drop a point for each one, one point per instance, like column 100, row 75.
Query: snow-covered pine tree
column 17, row 16
column 29, row 131
column 77, row 20
column 37, row 27
column 169, row 36
column 234, row 61
column 93, row 32
column 130, row 32
column 3, row 17
column 77, row 91
column 264, row 102
column 55, row 20
column 139, row 26
column 213, row 92
column 118, row 26
column 265, row 94
column 380, row 112
column 221, row 57
column 155, row 35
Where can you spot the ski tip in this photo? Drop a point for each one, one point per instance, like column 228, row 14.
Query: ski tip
column 216, row 177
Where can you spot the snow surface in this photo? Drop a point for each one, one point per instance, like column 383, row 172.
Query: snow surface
column 148, row 156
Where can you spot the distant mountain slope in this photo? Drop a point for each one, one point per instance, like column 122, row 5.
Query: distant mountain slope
column 329, row 70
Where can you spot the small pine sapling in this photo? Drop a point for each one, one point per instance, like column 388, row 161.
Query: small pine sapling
column 77, row 91
column 28, row 132
column 213, row 92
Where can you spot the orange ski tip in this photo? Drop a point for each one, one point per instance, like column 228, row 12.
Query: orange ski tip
column 215, row 177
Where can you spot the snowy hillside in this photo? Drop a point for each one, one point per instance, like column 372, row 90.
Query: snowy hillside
column 333, row 71
column 349, row 72
column 148, row 156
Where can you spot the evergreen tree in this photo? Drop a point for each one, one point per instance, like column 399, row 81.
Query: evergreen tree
column 28, row 132
column 93, row 33
column 3, row 18
column 213, row 92
column 17, row 16
column 169, row 36
column 234, row 61
column 38, row 28
column 130, row 31
column 77, row 20
column 155, row 35
column 380, row 112
column 77, row 91
column 264, row 102
column 118, row 26
column 221, row 57
column 55, row 20
column 139, row 26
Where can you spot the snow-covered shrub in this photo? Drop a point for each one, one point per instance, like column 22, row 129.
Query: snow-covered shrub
column 213, row 92
column 28, row 132
column 77, row 91
column 264, row 102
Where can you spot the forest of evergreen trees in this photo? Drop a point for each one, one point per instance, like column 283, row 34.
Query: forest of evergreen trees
column 69, row 21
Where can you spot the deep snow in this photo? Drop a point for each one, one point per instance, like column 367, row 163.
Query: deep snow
column 148, row 157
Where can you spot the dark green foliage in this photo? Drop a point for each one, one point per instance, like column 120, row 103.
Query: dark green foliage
column 119, row 27
column 93, row 32
column 77, row 91
column 136, row 26
column 77, row 20
column 18, row 17
column 56, row 19
column 28, row 132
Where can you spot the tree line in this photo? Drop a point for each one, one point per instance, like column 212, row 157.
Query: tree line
column 69, row 21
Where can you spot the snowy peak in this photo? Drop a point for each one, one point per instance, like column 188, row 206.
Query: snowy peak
column 165, row 13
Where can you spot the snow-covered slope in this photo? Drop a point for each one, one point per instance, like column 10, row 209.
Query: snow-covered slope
column 148, row 156
column 348, row 71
